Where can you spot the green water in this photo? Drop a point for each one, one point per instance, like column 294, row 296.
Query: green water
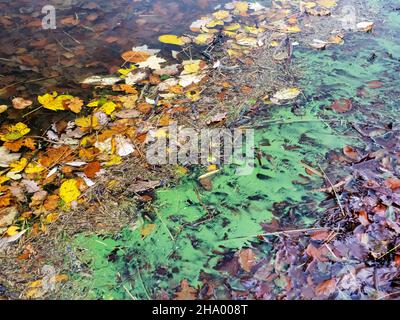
column 184, row 245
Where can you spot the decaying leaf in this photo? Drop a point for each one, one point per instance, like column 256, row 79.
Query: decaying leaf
column 186, row 292
column 247, row 259
column 21, row 103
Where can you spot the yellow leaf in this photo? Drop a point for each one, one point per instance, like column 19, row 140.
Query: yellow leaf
column 12, row 231
column 108, row 107
column 212, row 168
column 221, row 14
column 113, row 161
column 214, row 23
column 171, row 39
column 34, row 168
column 18, row 166
column 191, row 68
column 293, row 29
column 242, row 7
column 147, row 230
column 14, row 132
column 54, row 102
column 203, row 38
column 182, row 170
column 87, row 122
column 93, row 104
column 50, row 218
column 233, row 27
column 69, row 191
column 327, row 3
column 3, row 179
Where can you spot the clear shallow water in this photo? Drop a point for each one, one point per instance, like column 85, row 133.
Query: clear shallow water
column 183, row 248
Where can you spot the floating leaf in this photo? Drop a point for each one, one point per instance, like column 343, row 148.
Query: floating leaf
column 14, row 132
column 21, row 103
column 3, row 108
column 171, row 39
column 135, row 57
column 247, row 259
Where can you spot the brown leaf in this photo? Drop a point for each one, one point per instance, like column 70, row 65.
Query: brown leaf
column 21, row 103
column 186, row 292
column 91, row 169
column 206, row 183
column 247, row 259
column 318, row 254
column 15, row 146
column 38, row 198
column 363, row 218
column 51, row 203
column 393, row 183
column 351, row 153
column 135, row 57
column 74, row 105
column 342, row 105
column 326, row 288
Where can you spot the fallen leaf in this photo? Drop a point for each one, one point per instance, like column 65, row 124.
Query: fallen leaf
column 393, row 183
column 3, row 108
column 69, row 191
column 92, row 169
column 342, row 105
column 247, row 259
column 186, row 292
column 21, row 103
column 147, row 230
column 13, row 132
column 135, row 57
column 351, row 153
column 171, row 39
column 326, row 288
column 153, row 63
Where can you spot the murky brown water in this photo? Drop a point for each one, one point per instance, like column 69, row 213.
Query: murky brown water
column 89, row 39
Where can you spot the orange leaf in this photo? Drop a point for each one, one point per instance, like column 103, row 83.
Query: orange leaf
column 135, row 57
column 393, row 183
column 51, row 202
column 91, row 169
column 247, row 259
column 326, row 288
column 342, row 105
column 186, row 292
column 351, row 153
column 15, row 146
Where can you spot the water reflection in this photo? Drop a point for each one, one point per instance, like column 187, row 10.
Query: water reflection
column 89, row 39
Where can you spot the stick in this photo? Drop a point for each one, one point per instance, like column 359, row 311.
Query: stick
column 336, row 186
column 144, row 287
column 278, row 233
column 334, row 191
column 166, row 227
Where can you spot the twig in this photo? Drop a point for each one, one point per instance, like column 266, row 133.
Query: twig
column 196, row 191
column 390, row 251
column 334, row 191
column 278, row 233
column 71, row 37
column 33, row 111
column 141, row 281
column 305, row 165
column 164, row 224
column 336, row 186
